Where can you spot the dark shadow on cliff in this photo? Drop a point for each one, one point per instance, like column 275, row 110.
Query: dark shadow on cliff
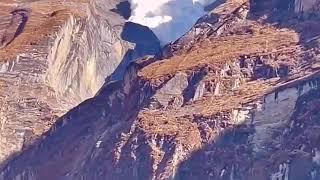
column 123, row 9
column 145, row 42
column 19, row 20
column 24, row 18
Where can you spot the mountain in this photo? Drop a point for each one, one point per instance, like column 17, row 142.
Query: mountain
column 235, row 98
column 55, row 55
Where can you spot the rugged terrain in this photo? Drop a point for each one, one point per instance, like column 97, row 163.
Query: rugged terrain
column 237, row 97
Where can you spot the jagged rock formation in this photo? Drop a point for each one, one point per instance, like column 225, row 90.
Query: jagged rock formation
column 235, row 98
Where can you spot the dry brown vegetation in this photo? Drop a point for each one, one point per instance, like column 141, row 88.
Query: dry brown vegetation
column 44, row 19
column 216, row 51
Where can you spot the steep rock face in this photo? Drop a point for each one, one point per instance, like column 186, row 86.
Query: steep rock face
column 28, row 106
column 235, row 98
column 86, row 52
column 54, row 55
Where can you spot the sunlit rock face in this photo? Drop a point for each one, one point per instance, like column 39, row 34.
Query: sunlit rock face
column 86, row 52
column 169, row 19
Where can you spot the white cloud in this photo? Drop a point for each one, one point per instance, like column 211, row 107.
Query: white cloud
column 168, row 19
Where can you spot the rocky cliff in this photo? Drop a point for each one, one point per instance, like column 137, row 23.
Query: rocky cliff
column 237, row 98
column 54, row 55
